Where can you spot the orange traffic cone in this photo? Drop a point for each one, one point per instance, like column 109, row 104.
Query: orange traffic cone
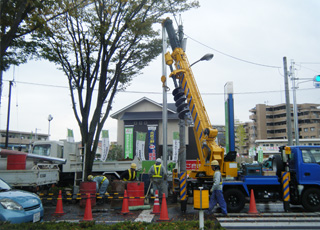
column 252, row 207
column 125, row 204
column 88, row 211
column 59, row 208
column 156, row 205
column 164, row 210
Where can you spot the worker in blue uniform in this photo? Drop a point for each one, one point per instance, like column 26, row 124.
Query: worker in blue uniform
column 102, row 183
column 216, row 190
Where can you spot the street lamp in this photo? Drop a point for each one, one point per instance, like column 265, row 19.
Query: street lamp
column 206, row 57
column 50, row 117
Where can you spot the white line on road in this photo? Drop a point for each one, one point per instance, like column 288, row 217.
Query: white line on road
column 145, row 216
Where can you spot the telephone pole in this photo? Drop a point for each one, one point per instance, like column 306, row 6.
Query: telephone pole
column 295, row 109
column 288, row 106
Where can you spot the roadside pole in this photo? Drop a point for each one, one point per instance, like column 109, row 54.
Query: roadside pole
column 164, row 106
column 288, row 106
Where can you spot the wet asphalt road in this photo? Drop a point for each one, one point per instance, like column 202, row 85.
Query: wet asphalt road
column 270, row 215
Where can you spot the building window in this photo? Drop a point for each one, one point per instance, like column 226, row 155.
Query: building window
column 312, row 129
column 306, row 130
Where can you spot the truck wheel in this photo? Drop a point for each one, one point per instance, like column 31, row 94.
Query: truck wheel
column 235, row 200
column 311, row 199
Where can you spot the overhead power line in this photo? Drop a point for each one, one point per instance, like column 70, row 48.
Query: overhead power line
column 236, row 58
column 149, row 92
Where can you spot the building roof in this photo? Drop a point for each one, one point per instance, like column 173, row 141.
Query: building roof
column 146, row 116
column 170, row 106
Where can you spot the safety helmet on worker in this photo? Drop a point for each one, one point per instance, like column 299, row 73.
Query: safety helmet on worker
column 214, row 162
column 133, row 166
column 158, row 160
column 90, row 178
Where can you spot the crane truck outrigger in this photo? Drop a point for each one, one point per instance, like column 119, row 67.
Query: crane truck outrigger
column 291, row 176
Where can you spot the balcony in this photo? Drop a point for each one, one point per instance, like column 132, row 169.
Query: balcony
column 253, row 117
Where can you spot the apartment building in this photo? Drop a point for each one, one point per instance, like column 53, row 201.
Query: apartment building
column 270, row 121
column 18, row 140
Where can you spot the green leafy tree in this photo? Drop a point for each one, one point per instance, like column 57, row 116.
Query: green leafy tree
column 18, row 20
column 241, row 136
column 100, row 47
column 115, row 152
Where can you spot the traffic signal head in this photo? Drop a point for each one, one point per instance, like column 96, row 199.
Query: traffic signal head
column 316, row 81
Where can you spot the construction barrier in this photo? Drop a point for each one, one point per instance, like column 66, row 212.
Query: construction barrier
column 82, row 196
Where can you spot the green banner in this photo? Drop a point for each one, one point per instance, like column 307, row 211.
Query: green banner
column 128, row 142
column 260, row 154
column 105, row 134
column 70, row 137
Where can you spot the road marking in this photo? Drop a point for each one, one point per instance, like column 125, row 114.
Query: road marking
column 145, row 216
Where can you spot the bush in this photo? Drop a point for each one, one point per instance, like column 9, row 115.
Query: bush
column 126, row 225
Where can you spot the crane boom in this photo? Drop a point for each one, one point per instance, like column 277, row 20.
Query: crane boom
column 205, row 134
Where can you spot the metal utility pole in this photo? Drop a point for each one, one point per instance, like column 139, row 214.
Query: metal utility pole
column 8, row 115
column 164, row 104
column 295, row 110
column 288, row 106
column 164, row 99
column 182, row 125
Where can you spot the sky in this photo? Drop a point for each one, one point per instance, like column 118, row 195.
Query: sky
column 248, row 38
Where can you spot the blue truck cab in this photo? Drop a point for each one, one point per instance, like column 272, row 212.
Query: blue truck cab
column 304, row 168
column 301, row 163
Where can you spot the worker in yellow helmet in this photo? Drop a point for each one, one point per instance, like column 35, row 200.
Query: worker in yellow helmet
column 216, row 190
column 130, row 174
column 102, row 183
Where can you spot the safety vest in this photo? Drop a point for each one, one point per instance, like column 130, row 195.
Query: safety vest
column 133, row 176
column 157, row 171
column 104, row 178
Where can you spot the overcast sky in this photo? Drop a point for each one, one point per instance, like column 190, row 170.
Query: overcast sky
column 248, row 38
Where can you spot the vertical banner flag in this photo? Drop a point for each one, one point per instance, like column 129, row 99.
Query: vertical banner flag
column 105, row 145
column 128, row 142
column 152, row 143
column 70, row 137
column 260, row 154
column 140, row 145
column 175, row 146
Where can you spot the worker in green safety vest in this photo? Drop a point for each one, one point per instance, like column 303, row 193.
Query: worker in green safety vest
column 158, row 176
column 130, row 174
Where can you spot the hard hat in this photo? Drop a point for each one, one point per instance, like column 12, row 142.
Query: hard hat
column 158, row 160
column 133, row 166
column 90, row 177
column 214, row 162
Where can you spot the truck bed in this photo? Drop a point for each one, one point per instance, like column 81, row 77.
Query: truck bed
column 33, row 177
